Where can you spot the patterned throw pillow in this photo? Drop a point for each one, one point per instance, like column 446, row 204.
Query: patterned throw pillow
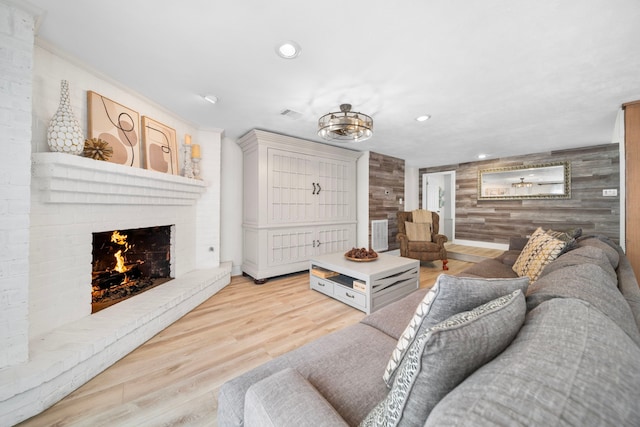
column 448, row 296
column 418, row 231
column 539, row 251
column 566, row 236
column 444, row 355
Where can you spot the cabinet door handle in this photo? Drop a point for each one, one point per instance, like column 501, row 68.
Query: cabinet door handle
column 319, row 188
column 318, row 243
column 314, row 188
column 349, row 295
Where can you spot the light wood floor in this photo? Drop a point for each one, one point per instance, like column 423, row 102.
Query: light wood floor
column 173, row 379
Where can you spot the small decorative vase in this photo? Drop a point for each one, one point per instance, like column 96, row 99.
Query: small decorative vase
column 64, row 133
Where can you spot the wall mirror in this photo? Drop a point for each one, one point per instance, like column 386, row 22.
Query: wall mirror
column 547, row 181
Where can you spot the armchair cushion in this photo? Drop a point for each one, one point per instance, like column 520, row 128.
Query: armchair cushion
column 418, row 231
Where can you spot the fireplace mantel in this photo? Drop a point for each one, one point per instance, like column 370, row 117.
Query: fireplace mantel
column 65, row 178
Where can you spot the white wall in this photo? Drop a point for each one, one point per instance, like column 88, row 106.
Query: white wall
column 231, row 208
column 411, row 188
column 16, row 61
column 362, row 200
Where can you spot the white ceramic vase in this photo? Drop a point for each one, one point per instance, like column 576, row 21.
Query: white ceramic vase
column 64, row 133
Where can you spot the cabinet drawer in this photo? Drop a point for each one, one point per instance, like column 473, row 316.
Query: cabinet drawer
column 349, row 296
column 321, row 285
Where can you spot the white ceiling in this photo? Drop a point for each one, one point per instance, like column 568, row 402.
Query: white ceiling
column 502, row 77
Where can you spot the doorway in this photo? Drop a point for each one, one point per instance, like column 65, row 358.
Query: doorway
column 439, row 195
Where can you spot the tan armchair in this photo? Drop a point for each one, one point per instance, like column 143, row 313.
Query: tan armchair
column 422, row 250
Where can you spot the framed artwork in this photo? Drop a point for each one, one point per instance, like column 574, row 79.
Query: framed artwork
column 117, row 125
column 160, row 148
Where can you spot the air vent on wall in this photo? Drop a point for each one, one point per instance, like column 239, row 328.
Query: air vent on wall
column 380, row 235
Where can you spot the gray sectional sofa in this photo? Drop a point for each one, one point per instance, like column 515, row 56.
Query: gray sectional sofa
column 567, row 354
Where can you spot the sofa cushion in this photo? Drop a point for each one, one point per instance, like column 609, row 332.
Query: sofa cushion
column 444, row 355
column 539, row 251
column 603, row 243
column 590, row 283
column 287, row 399
column 418, row 231
column 392, row 319
column 568, row 366
column 579, row 256
column 344, row 366
column 448, row 296
column 492, row 267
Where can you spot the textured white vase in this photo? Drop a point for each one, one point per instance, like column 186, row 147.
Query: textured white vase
column 64, row 133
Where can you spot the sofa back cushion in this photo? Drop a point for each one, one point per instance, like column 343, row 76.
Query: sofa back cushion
column 569, row 365
column 580, row 277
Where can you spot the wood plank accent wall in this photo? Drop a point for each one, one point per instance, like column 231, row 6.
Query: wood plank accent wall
column 386, row 188
column 592, row 170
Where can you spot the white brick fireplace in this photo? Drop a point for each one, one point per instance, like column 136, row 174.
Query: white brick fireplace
column 50, row 343
column 72, row 197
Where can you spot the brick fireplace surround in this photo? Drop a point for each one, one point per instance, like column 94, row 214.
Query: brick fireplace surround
column 72, row 197
column 50, row 343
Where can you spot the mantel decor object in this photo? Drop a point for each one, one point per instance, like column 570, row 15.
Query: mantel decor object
column 64, row 134
column 195, row 159
column 187, row 168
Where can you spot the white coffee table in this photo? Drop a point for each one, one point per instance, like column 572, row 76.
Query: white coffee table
column 382, row 281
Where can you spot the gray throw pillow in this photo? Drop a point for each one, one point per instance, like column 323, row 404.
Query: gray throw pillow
column 448, row 296
column 444, row 355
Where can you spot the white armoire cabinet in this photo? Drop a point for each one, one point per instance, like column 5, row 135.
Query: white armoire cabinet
column 299, row 201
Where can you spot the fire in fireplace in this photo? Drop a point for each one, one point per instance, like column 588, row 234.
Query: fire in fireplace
column 128, row 262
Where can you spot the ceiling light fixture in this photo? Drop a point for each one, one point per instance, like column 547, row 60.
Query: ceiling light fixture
column 211, row 98
column 345, row 125
column 423, row 118
column 522, row 184
column 482, row 156
column 288, row 50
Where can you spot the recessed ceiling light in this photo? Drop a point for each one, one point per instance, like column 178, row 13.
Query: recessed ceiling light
column 288, row 50
column 423, row 118
column 482, row 156
column 211, row 98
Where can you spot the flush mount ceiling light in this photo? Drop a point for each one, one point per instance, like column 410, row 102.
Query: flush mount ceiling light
column 423, row 118
column 211, row 98
column 288, row 50
column 345, row 125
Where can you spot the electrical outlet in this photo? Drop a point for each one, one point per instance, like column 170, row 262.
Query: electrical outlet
column 610, row 192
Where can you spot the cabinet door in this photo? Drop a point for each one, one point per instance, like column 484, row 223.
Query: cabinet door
column 336, row 189
column 290, row 186
column 290, row 245
column 337, row 238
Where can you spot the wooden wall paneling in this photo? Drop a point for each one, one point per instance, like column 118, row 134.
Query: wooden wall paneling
column 592, row 170
column 386, row 188
column 632, row 158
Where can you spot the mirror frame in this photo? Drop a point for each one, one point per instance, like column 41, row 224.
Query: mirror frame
column 567, row 182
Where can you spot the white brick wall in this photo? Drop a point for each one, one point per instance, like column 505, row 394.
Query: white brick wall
column 16, row 42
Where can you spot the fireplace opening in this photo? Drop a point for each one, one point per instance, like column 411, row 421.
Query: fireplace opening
column 128, row 262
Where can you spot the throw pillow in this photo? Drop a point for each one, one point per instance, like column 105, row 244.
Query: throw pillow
column 418, row 231
column 444, row 355
column 565, row 236
column 448, row 296
column 539, row 251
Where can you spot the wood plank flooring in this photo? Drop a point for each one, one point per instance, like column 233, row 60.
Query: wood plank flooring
column 173, row 379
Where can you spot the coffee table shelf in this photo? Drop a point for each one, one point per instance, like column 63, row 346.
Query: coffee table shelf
column 381, row 282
